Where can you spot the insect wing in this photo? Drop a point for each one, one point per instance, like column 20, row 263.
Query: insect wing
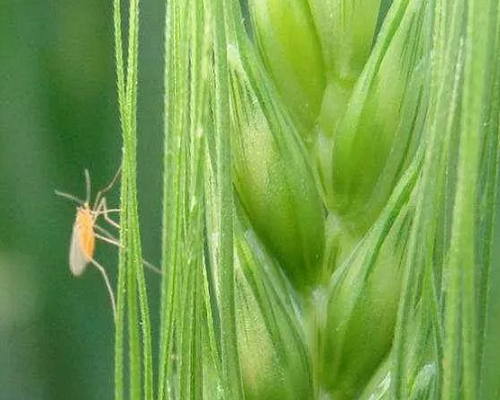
column 77, row 259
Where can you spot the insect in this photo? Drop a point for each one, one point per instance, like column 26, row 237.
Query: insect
column 86, row 231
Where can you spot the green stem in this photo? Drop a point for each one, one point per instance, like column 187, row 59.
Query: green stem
column 131, row 280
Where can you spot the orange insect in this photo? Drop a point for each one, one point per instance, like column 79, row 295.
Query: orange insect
column 86, row 231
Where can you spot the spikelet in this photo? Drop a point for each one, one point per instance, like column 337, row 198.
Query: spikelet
column 290, row 48
column 273, row 177
column 274, row 360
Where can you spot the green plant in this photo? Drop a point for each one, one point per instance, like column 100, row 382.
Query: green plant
column 330, row 195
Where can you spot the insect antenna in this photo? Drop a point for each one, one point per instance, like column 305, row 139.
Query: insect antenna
column 69, row 196
column 109, row 187
column 87, row 182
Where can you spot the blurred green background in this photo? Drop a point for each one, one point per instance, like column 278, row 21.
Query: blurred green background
column 58, row 116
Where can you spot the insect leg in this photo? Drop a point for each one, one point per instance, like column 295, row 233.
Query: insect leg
column 105, row 232
column 109, row 210
column 156, row 270
column 102, row 209
column 108, row 285
column 109, row 238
